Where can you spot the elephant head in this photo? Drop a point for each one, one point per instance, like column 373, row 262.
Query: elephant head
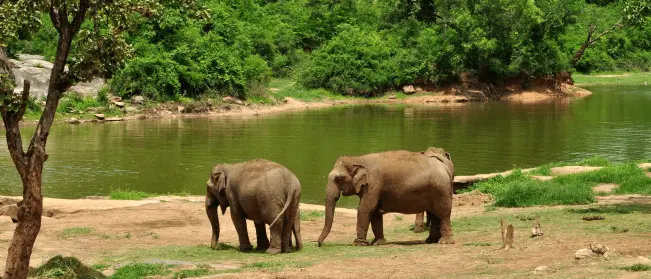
column 216, row 196
column 346, row 178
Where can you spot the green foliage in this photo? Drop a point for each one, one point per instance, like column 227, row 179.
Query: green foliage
column 66, row 268
column 189, row 273
column 72, row 102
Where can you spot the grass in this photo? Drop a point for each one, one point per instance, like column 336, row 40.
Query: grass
column 140, row 270
column 281, row 88
column 66, row 268
column 76, row 231
column 637, row 267
column 633, row 78
column 520, row 190
column 312, row 215
column 196, row 272
column 134, row 195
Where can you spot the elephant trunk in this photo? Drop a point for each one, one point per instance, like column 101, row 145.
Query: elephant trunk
column 332, row 195
column 211, row 211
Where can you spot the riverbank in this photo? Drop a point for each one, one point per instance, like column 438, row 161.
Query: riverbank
column 167, row 236
column 619, row 78
column 281, row 96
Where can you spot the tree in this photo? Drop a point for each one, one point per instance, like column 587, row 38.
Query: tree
column 634, row 13
column 97, row 43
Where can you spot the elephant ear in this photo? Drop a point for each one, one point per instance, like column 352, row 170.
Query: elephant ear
column 447, row 155
column 360, row 177
column 218, row 179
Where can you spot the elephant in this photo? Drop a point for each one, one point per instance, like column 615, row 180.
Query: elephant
column 392, row 181
column 258, row 190
column 443, row 156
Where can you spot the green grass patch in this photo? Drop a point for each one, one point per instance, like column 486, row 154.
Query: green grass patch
column 519, row 190
column 612, row 78
column 281, row 88
column 140, row 270
column 76, row 231
column 66, row 268
column 74, row 103
column 276, row 266
column 637, row 267
column 312, row 215
column 120, row 194
column 630, row 178
column 196, row 272
column 398, row 218
column 128, row 195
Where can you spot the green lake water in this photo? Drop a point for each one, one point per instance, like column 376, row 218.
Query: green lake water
column 176, row 155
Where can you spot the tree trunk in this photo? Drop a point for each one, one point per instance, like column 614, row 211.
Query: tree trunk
column 30, row 210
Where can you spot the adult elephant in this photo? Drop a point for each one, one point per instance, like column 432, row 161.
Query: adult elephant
column 258, row 190
column 443, row 156
column 393, row 181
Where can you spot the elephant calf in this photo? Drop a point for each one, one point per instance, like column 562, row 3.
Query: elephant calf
column 258, row 190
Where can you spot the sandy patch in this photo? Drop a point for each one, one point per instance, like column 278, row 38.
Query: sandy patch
column 572, row 170
column 604, row 188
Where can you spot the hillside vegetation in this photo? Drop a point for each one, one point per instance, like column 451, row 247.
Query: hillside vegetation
column 356, row 47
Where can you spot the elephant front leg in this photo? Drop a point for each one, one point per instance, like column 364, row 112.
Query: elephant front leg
column 364, row 215
column 261, row 235
column 377, row 225
column 242, row 232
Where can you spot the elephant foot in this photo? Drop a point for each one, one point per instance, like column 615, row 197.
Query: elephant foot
column 287, row 249
column 262, row 247
column 431, row 240
column 273, row 251
column 214, row 244
column 360, row 242
column 246, row 248
column 446, row 240
column 419, row 229
column 379, row 241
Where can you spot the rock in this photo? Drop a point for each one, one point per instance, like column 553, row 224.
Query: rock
column 392, row 97
column 114, row 119
column 227, row 99
column 408, row 89
column 238, row 102
column 180, row 109
column 74, row 121
column 139, row 100
column 119, row 104
column 130, row 109
column 598, row 248
column 285, row 100
column 540, row 269
column 583, row 253
column 88, row 88
column 99, row 116
column 461, row 99
column 141, row 116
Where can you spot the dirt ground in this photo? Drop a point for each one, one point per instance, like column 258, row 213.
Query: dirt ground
column 123, row 231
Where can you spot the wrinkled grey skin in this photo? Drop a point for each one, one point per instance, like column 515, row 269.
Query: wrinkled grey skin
column 394, row 181
column 258, row 190
column 443, row 156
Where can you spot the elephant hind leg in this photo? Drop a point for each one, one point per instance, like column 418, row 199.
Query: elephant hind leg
column 288, row 227
column 297, row 232
column 434, row 228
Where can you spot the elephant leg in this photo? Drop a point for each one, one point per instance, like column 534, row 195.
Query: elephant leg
column 434, row 228
column 445, row 226
column 261, row 235
column 365, row 211
column 288, row 226
column 297, row 232
column 377, row 225
column 240, row 226
column 419, row 226
column 276, row 238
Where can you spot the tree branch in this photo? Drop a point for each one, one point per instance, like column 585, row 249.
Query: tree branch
column 609, row 30
column 80, row 16
column 54, row 16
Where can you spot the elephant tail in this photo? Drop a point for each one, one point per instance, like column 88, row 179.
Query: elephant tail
column 282, row 212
